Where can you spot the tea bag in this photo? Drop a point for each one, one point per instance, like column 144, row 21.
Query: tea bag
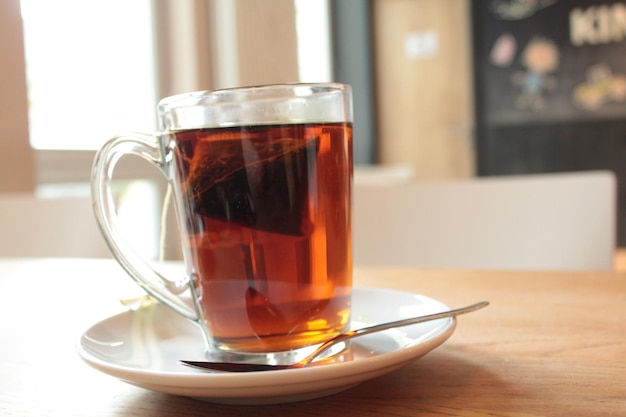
column 262, row 184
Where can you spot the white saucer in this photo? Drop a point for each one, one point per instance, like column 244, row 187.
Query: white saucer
column 143, row 348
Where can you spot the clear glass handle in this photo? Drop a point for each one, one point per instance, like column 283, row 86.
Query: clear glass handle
column 149, row 148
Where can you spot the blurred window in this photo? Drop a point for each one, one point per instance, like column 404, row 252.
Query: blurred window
column 90, row 70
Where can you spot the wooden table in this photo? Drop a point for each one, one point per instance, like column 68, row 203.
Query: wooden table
column 550, row 344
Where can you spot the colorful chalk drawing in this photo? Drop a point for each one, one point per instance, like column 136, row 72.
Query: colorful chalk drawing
column 518, row 9
column 503, row 51
column 601, row 88
column 540, row 58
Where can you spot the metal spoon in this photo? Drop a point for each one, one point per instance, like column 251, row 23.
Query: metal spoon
column 253, row 367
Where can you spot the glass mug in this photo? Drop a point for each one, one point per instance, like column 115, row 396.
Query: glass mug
column 262, row 181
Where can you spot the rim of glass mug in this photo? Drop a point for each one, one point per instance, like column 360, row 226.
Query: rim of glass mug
column 260, row 104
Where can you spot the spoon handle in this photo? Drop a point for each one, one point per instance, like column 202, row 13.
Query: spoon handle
column 398, row 323
column 252, row 367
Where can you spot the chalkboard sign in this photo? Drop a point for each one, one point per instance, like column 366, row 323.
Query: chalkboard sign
column 551, row 88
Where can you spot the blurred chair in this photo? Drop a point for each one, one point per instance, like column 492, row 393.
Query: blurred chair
column 49, row 227
column 548, row 221
column 383, row 174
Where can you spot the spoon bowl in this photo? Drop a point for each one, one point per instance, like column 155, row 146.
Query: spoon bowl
column 255, row 367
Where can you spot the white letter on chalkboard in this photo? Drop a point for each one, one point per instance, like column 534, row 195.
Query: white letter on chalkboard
column 619, row 22
column 580, row 27
column 602, row 24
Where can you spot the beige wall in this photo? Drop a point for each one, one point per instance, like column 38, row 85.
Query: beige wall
column 424, row 98
column 266, row 37
column 17, row 171
column 184, row 49
column 225, row 43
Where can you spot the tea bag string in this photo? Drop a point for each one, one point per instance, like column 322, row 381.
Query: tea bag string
column 145, row 300
column 164, row 211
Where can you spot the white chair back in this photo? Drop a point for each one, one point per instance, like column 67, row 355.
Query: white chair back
column 548, row 221
column 49, row 227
